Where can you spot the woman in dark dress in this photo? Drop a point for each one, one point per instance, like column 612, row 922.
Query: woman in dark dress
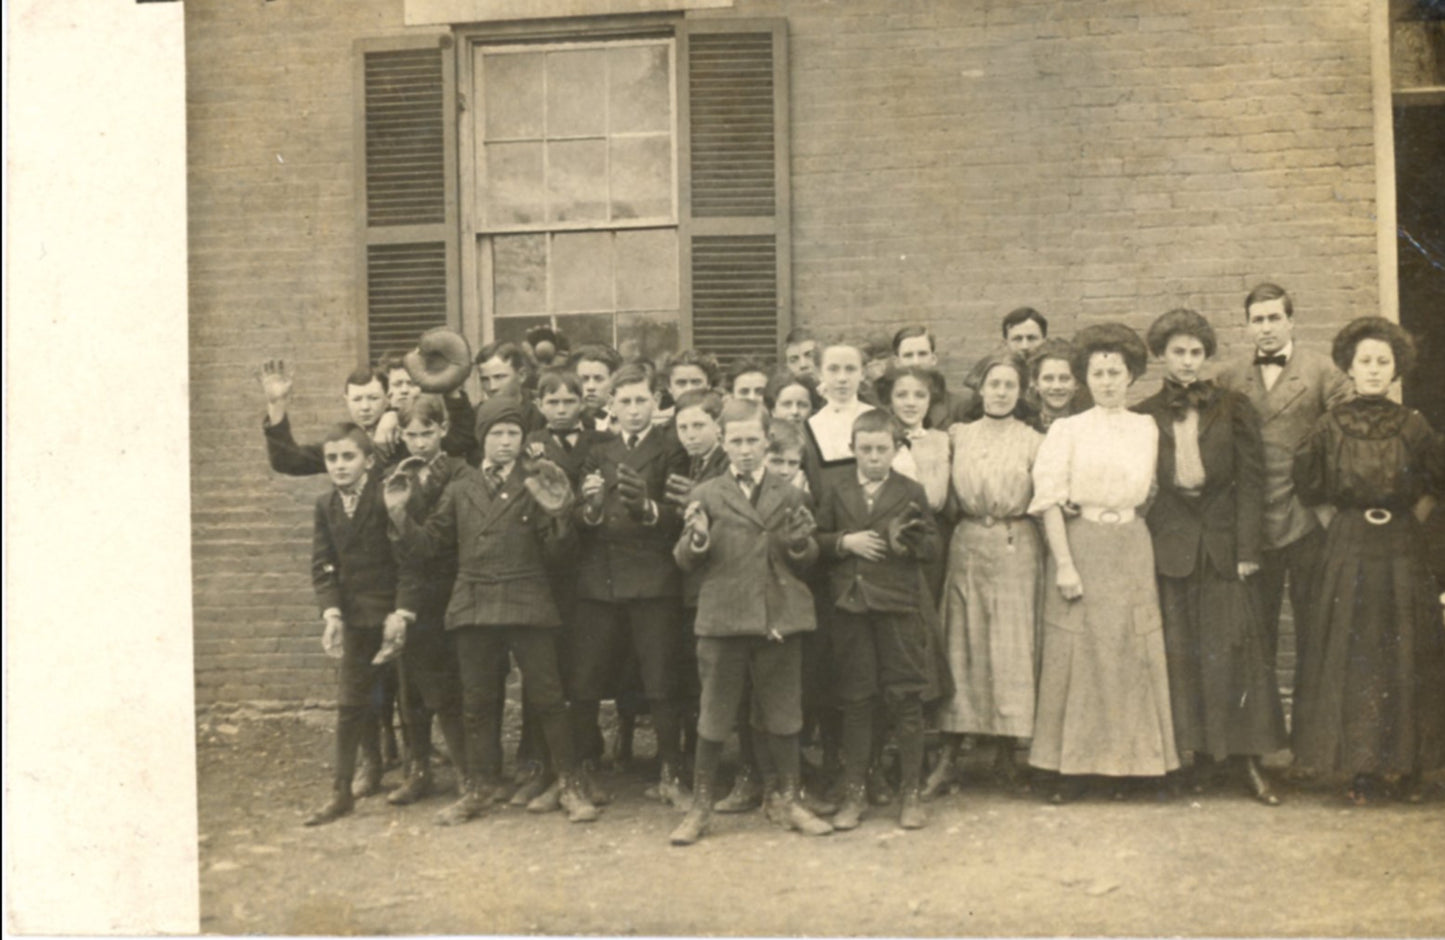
column 1206, row 522
column 1372, row 698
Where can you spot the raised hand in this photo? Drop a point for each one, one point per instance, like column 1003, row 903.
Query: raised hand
column 594, row 487
column 800, row 526
column 904, row 530
column 396, row 492
column 387, row 436
column 275, row 380
column 696, row 522
column 549, row 486
column 678, row 489
column 632, row 489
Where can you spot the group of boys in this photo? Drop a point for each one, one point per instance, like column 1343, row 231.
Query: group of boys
column 588, row 534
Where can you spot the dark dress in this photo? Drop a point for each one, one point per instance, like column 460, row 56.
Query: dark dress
column 1223, row 694
column 1372, row 688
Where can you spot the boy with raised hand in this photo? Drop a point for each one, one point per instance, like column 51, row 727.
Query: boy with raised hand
column 507, row 528
column 875, row 528
column 365, row 396
column 749, row 536
column 354, row 575
column 402, row 391
column 629, row 591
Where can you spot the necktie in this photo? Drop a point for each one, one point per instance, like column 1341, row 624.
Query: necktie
column 1276, row 359
column 632, row 440
column 750, row 490
column 568, row 440
column 494, row 478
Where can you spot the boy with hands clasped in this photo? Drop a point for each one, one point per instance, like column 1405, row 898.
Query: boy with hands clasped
column 749, row 535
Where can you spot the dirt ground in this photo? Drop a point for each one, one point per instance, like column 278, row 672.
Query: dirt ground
column 989, row 863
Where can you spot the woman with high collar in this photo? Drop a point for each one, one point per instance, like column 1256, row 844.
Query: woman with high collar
column 1103, row 705
column 1371, row 702
column 1206, row 520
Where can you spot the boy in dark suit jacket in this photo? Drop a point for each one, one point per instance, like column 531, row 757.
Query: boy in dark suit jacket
column 629, row 591
column 749, row 535
column 430, row 680
column 507, row 528
column 876, row 529
column 354, row 574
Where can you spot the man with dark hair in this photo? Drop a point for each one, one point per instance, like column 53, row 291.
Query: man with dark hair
column 800, row 351
column 1291, row 388
column 1024, row 329
column 914, row 345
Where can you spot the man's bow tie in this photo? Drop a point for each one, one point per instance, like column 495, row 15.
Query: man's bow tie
column 1277, row 359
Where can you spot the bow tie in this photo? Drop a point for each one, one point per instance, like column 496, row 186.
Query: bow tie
column 1180, row 398
column 1277, row 359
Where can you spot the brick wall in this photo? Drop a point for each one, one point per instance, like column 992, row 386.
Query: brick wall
column 950, row 161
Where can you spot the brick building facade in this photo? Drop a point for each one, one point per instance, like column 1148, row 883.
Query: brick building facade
column 939, row 163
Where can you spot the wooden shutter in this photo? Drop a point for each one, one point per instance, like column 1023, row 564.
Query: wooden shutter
column 406, row 186
column 733, row 168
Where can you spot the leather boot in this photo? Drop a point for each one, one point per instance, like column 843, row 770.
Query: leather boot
column 531, row 781
column 695, row 823
column 797, row 816
column 880, row 791
column 549, row 800
column 340, row 804
column 855, row 804
column 587, row 776
column 418, row 784
column 941, row 778
column 573, row 799
column 912, row 815
column 815, row 803
column 473, row 803
column 670, row 789
column 1259, row 783
column 367, row 781
column 746, row 794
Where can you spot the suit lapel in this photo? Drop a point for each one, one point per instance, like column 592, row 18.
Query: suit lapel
column 1288, row 387
column 770, row 498
column 364, row 507
column 890, row 496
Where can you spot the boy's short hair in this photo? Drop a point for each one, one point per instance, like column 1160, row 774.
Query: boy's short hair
column 350, row 431
column 427, row 408
column 783, row 379
column 692, row 357
column 871, row 422
column 633, row 373
column 365, row 375
column 784, row 436
column 912, row 332
column 596, row 352
column 742, row 409
column 1268, row 291
column 705, row 398
column 513, row 354
column 745, row 366
column 799, row 335
column 876, row 347
column 391, row 361
column 842, row 344
column 1022, row 315
column 553, row 380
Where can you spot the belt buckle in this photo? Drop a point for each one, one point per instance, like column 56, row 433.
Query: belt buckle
column 1378, row 516
column 989, row 521
column 1110, row 516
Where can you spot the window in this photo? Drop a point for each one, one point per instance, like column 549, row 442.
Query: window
column 629, row 189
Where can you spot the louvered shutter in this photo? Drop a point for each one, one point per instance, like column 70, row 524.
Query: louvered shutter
column 406, row 184
column 733, row 160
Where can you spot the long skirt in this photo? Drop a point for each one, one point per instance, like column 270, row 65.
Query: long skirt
column 1372, row 697
column 1103, row 685
column 1222, row 693
column 991, row 628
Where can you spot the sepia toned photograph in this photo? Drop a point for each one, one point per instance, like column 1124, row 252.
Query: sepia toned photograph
column 815, row 467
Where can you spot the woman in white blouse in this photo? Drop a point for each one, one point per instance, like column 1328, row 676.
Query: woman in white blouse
column 1103, row 704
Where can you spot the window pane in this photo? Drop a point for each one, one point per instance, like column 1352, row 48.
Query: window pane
column 641, row 177
column 577, row 180
column 582, row 272
column 647, row 269
column 583, row 328
column 512, row 86
column 519, row 273
column 577, row 93
column 649, row 335
column 640, row 89
column 514, row 193
column 514, row 329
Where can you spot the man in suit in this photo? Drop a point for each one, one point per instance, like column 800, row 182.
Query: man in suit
column 748, row 538
column 876, row 529
column 354, row 575
column 629, row 591
column 507, row 533
column 1291, row 388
